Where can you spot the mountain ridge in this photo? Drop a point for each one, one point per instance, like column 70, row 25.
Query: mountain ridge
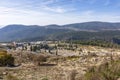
column 77, row 25
column 20, row 32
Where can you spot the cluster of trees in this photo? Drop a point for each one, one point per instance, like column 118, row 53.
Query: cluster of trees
column 101, row 43
column 42, row 46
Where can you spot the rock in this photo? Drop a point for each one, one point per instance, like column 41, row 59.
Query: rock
column 5, row 73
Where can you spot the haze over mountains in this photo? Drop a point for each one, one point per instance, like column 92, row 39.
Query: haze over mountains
column 76, row 31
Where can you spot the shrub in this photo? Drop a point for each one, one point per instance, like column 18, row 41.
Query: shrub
column 6, row 59
column 45, row 78
column 11, row 77
column 38, row 59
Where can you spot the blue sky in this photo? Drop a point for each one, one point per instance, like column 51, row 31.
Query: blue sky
column 44, row 12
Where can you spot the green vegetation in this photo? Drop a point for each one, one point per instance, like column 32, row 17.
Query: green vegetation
column 45, row 78
column 100, row 43
column 42, row 46
column 94, row 30
column 6, row 59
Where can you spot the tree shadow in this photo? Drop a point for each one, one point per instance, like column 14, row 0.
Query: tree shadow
column 48, row 64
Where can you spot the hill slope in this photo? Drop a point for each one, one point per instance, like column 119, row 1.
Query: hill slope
column 77, row 31
column 96, row 26
column 20, row 32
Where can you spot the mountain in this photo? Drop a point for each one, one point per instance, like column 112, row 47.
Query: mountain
column 95, row 26
column 20, row 32
column 77, row 31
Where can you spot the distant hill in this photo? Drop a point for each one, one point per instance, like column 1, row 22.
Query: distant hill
column 21, row 32
column 77, row 31
column 95, row 26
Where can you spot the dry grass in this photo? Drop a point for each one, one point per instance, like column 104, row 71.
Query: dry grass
column 106, row 71
column 33, row 67
column 11, row 77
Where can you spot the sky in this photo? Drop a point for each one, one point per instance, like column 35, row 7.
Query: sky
column 45, row 12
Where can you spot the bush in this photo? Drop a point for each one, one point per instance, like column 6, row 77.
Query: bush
column 11, row 77
column 6, row 59
column 38, row 59
column 45, row 78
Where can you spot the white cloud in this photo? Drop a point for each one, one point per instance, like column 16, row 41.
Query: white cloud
column 88, row 12
column 55, row 9
column 29, row 17
column 42, row 13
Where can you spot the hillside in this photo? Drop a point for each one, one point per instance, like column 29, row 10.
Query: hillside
column 77, row 31
column 21, row 32
column 94, row 26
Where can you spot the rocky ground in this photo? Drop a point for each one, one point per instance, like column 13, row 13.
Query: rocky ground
column 63, row 67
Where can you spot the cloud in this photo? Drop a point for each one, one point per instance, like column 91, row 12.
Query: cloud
column 13, row 11
column 58, row 9
column 55, row 9
column 36, row 5
column 87, row 13
column 43, row 12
